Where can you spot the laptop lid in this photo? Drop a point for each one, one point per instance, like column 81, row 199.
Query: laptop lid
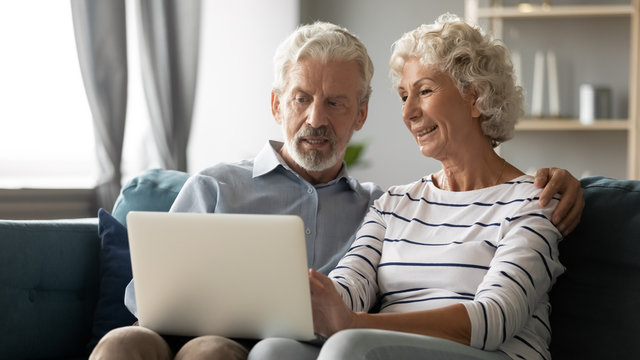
column 234, row 275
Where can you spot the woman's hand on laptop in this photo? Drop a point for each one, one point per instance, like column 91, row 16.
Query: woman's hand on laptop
column 330, row 314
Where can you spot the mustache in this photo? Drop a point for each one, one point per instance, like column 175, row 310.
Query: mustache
column 322, row 131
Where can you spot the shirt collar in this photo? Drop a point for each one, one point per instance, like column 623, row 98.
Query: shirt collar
column 268, row 159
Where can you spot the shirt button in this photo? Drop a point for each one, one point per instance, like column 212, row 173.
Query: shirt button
column 310, row 190
column 308, row 231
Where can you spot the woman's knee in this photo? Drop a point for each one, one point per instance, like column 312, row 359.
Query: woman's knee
column 349, row 344
column 282, row 349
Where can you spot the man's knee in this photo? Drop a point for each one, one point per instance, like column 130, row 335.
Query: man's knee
column 212, row 348
column 131, row 342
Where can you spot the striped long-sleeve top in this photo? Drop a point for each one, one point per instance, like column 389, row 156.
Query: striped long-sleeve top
column 493, row 250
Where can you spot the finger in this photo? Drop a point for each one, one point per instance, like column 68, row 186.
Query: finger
column 320, row 284
column 549, row 190
column 565, row 206
column 570, row 222
column 314, row 285
column 560, row 182
column 541, row 177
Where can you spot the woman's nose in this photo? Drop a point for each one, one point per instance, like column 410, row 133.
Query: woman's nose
column 410, row 109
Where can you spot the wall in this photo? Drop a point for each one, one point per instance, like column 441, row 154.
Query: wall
column 232, row 115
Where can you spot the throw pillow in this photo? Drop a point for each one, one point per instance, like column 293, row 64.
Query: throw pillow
column 115, row 274
column 152, row 190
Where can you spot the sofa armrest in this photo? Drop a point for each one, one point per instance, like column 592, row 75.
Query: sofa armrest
column 48, row 287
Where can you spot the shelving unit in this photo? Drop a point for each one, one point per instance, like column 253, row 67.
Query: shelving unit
column 571, row 124
column 496, row 14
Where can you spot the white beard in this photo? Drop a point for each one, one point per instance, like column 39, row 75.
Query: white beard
column 313, row 160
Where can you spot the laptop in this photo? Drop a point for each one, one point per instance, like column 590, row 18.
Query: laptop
column 234, row 275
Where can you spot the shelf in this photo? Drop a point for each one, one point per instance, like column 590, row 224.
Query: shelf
column 570, row 125
column 555, row 11
column 497, row 15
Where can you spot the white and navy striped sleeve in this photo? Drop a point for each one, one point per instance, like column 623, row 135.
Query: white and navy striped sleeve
column 355, row 276
column 520, row 275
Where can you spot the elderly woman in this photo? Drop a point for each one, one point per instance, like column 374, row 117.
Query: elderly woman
column 461, row 261
column 465, row 254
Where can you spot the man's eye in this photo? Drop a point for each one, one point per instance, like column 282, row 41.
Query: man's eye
column 425, row 91
column 301, row 99
column 403, row 98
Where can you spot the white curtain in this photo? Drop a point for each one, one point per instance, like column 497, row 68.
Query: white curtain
column 170, row 31
column 100, row 33
column 169, row 39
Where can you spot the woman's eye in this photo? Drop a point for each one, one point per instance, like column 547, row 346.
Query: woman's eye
column 425, row 91
column 403, row 98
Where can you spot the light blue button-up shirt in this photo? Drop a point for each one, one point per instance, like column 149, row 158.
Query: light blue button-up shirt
column 331, row 212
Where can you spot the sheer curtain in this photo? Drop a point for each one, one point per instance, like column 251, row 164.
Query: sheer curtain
column 169, row 52
column 169, row 38
column 100, row 31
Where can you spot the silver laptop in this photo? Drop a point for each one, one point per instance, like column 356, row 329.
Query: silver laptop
column 239, row 276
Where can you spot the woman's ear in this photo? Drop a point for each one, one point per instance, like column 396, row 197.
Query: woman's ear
column 475, row 113
column 473, row 97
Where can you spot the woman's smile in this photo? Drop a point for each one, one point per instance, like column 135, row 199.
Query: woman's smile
column 422, row 133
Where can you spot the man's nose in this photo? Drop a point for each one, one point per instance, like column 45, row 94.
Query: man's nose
column 317, row 115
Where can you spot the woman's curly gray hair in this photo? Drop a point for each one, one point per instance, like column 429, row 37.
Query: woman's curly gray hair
column 475, row 61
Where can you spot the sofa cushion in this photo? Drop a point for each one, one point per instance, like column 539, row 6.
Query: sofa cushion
column 152, row 190
column 48, row 287
column 596, row 302
column 115, row 274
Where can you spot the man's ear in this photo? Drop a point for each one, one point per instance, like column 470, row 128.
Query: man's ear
column 362, row 116
column 275, row 107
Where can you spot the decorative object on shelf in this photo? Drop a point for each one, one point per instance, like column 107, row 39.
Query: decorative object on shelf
column 538, row 84
column 552, row 78
column 595, row 103
column 587, row 106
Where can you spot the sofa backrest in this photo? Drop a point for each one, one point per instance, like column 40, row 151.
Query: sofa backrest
column 596, row 302
column 48, row 287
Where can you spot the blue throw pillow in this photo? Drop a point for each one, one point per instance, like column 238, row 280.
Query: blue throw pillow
column 115, row 274
column 152, row 190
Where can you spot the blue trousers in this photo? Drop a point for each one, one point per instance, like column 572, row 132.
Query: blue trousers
column 370, row 344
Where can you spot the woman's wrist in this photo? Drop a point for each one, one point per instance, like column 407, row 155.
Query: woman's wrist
column 359, row 320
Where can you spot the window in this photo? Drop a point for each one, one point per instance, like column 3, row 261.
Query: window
column 46, row 127
column 46, row 131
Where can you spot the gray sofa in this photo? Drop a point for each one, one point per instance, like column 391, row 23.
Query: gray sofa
column 59, row 294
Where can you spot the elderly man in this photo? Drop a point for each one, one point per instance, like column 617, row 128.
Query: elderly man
column 320, row 98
